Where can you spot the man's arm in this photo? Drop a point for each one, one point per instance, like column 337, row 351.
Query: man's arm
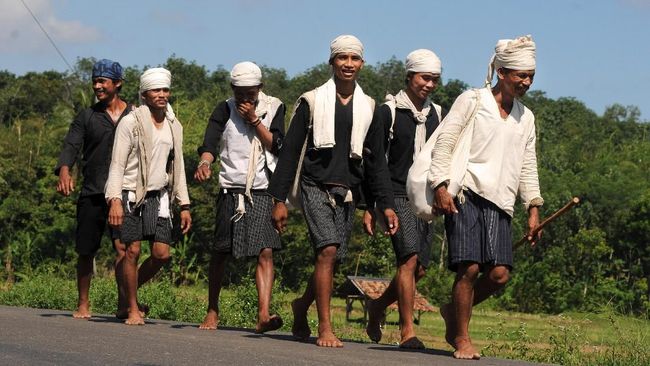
column 377, row 174
column 72, row 145
column 285, row 171
column 211, row 141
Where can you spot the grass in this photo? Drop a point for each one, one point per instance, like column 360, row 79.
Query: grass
column 569, row 339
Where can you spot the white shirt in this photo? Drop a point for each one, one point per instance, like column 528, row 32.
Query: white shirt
column 162, row 144
column 235, row 149
column 502, row 160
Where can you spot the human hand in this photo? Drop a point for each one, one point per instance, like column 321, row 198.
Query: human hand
column 392, row 223
column 66, row 182
column 202, row 172
column 443, row 202
column 246, row 109
column 534, row 234
column 369, row 222
column 186, row 221
column 279, row 214
column 115, row 213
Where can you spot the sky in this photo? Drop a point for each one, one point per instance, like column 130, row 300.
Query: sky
column 597, row 51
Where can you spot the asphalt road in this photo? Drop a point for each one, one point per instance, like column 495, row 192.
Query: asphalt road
column 50, row 337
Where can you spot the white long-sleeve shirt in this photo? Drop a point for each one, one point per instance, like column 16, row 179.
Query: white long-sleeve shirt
column 502, row 161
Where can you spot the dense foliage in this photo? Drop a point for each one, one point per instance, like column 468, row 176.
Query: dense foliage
column 595, row 255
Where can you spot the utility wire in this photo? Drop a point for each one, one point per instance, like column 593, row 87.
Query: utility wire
column 48, row 36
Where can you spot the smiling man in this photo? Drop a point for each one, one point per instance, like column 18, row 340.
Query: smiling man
column 407, row 120
column 476, row 177
column 147, row 174
column 331, row 134
column 91, row 133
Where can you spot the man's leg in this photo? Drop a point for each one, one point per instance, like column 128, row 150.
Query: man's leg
column 462, row 301
column 264, row 280
column 130, row 265
column 299, row 307
column 491, row 281
column 215, row 279
column 84, row 274
column 160, row 255
column 122, row 304
column 323, row 277
column 402, row 290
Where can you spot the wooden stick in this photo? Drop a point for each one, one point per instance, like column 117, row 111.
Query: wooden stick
column 574, row 201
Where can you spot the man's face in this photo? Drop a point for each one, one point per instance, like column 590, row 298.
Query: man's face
column 246, row 94
column 346, row 66
column 423, row 83
column 157, row 98
column 517, row 82
column 105, row 88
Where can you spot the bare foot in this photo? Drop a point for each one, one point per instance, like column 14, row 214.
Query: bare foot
column 134, row 318
column 82, row 312
column 300, row 328
column 465, row 349
column 328, row 339
column 447, row 313
column 376, row 315
column 210, row 321
column 272, row 323
column 412, row 343
column 123, row 313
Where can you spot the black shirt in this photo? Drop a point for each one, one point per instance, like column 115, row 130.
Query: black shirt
column 217, row 124
column 400, row 148
column 332, row 166
column 92, row 132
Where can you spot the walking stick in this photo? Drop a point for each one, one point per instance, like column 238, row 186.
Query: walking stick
column 574, row 201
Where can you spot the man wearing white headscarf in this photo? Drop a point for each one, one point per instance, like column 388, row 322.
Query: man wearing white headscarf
column 478, row 167
column 245, row 132
column 146, row 175
column 330, row 135
column 407, row 120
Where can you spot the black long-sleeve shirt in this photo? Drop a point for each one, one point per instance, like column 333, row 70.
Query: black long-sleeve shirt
column 217, row 124
column 92, row 132
column 400, row 148
column 332, row 166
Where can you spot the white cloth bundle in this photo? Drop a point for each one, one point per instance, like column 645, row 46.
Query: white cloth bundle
column 423, row 60
column 346, row 43
column 403, row 101
column 246, row 74
column 324, row 110
column 514, row 54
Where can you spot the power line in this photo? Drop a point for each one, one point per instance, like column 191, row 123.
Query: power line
column 48, row 36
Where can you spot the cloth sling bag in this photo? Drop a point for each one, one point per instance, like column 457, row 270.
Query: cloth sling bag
column 418, row 188
column 310, row 98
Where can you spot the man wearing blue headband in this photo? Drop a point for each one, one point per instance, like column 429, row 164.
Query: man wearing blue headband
column 91, row 133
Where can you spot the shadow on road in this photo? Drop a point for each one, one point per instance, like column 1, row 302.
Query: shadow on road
column 428, row 351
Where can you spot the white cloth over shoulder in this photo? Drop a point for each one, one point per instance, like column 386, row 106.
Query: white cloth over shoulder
column 514, row 54
column 246, row 74
column 346, row 43
column 423, row 60
column 402, row 101
column 323, row 119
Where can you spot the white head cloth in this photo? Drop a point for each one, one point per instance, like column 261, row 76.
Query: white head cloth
column 246, row 74
column 346, row 43
column 157, row 78
column 423, row 60
column 514, row 54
